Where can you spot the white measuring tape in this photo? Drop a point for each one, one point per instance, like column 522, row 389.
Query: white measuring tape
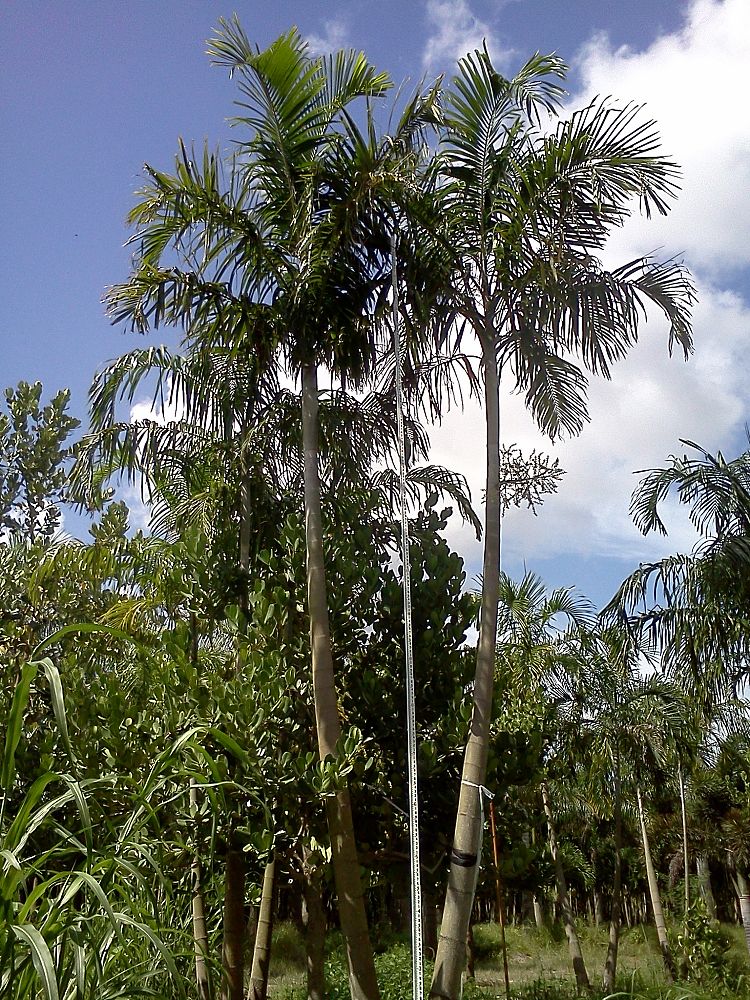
column 417, row 944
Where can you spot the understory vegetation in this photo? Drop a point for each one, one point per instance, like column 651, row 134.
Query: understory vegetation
column 203, row 784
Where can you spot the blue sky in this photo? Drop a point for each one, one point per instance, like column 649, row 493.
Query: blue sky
column 92, row 90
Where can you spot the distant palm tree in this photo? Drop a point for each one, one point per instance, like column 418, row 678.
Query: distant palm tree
column 693, row 608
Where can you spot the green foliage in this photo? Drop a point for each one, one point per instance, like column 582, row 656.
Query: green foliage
column 701, row 948
column 394, row 977
column 33, row 457
column 77, row 902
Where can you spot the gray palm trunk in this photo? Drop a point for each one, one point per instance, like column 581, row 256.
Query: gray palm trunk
column 234, row 929
column 653, row 889
column 198, row 903
column 362, row 978
column 315, row 931
column 451, row 953
column 540, row 920
column 704, row 880
column 743, row 895
column 200, row 934
column 566, row 911
column 262, row 947
column 598, row 907
column 610, row 965
column 233, row 949
column 685, row 849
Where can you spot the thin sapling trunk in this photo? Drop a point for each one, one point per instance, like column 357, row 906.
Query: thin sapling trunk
column 262, row 947
column 566, row 911
column 653, row 888
column 362, row 978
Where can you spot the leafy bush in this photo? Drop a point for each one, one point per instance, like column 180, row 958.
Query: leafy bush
column 702, row 947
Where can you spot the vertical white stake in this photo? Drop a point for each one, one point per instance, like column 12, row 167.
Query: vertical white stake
column 417, row 946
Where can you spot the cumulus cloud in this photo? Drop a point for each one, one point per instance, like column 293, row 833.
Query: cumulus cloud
column 334, row 36
column 456, row 30
column 693, row 84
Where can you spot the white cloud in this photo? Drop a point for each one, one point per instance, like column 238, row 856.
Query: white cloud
column 456, row 30
column 693, row 83
column 637, row 420
column 146, row 409
column 334, row 37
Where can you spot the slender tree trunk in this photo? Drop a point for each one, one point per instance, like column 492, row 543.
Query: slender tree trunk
column 362, row 978
column 704, row 879
column 315, row 933
column 598, row 907
column 743, row 896
column 451, row 953
column 685, row 852
column 200, row 934
column 429, row 919
column 537, row 902
column 610, row 965
column 470, row 951
column 574, row 945
column 233, row 950
column 264, row 929
column 499, row 904
column 233, row 947
column 653, row 888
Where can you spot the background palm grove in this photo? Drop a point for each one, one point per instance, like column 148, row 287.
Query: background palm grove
column 203, row 772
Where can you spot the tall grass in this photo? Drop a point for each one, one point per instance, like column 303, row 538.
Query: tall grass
column 82, row 904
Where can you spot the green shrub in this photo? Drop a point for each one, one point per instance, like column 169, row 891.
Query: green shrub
column 702, row 948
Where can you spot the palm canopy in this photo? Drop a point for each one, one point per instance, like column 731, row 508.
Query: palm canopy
column 285, row 248
column 527, row 213
column 693, row 608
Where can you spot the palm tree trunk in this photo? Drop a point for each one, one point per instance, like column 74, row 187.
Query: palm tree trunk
column 262, row 947
column 315, row 932
column 429, row 918
column 233, row 950
column 598, row 907
column 685, row 852
column 499, row 904
column 704, row 879
column 539, row 916
column 574, row 945
column 200, row 934
column 653, row 888
column 362, row 978
column 459, row 899
column 233, row 947
column 743, row 895
column 610, row 965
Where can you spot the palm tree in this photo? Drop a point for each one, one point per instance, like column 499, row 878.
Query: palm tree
column 525, row 215
column 627, row 718
column 693, row 608
column 279, row 269
column 536, row 644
